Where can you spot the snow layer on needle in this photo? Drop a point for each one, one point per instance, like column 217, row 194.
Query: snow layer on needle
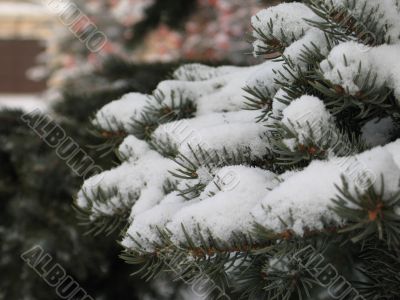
column 179, row 131
column 107, row 181
column 171, row 91
column 132, row 148
column 222, row 93
column 131, row 182
column 303, row 200
column 313, row 37
column 300, row 199
column 198, row 72
column 144, row 229
column 348, row 68
column 219, row 94
column 299, row 35
column 231, row 96
column 381, row 60
column 268, row 76
column 307, row 113
column 232, row 137
column 223, row 212
column 391, row 10
column 264, row 77
column 154, row 171
column 232, row 131
column 387, row 10
column 394, row 149
column 119, row 114
column 287, row 22
column 278, row 104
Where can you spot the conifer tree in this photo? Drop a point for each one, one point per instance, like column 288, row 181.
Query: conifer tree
column 36, row 187
column 275, row 181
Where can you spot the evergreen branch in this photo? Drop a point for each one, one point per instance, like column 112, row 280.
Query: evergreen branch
column 381, row 268
column 344, row 24
column 259, row 98
column 96, row 219
column 274, row 46
column 369, row 213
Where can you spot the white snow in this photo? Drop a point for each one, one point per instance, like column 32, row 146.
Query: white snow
column 305, row 114
column 287, row 22
column 132, row 148
column 119, row 114
column 223, row 212
column 138, row 181
column 296, row 200
column 351, row 72
column 278, row 103
column 199, row 72
column 303, row 200
column 264, row 77
column 394, row 149
column 144, row 228
column 237, row 137
column 386, row 11
column 218, row 94
column 215, row 132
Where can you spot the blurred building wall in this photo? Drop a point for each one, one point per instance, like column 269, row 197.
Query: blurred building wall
column 16, row 57
column 23, row 28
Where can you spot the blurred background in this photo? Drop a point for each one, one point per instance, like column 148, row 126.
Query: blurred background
column 23, row 29
column 37, row 51
column 45, row 63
